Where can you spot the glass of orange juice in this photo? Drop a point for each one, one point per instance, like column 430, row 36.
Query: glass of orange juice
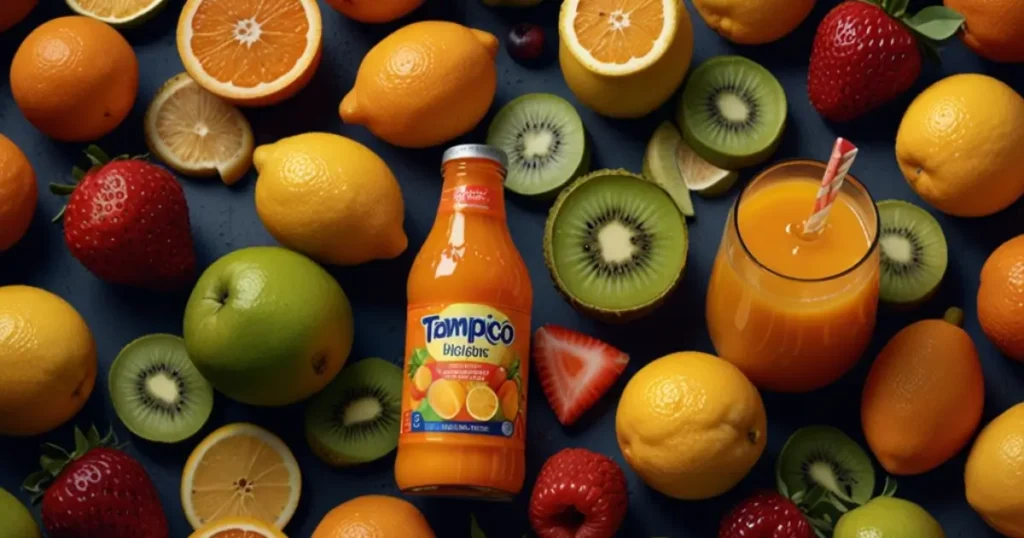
column 794, row 312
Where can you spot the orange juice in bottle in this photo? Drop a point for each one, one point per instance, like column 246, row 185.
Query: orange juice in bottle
column 467, row 342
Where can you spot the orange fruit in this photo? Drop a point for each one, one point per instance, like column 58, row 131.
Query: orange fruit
column 424, row 84
column 238, row 527
column 923, row 397
column 75, row 78
column 447, row 398
column 374, row 516
column 509, row 396
column 18, row 194
column 375, row 11
column 1001, row 298
column 13, row 11
column 482, row 403
column 993, row 28
column 251, row 52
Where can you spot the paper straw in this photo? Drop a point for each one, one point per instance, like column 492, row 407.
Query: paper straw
column 843, row 153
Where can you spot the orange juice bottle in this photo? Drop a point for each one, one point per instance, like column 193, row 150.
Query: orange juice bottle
column 467, row 342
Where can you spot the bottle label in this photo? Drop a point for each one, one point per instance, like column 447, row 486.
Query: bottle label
column 466, row 371
column 468, row 197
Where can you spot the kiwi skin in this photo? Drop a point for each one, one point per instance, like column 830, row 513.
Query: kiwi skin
column 601, row 314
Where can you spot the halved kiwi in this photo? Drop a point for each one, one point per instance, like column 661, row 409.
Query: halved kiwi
column 913, row 253
column 615, row 244
column 733, row 112
column 545, row 141
column 825, row 456
column 673, row 164
column 355, row 419
column 157, row 393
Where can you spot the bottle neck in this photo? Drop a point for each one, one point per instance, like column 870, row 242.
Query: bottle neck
column 473, row 186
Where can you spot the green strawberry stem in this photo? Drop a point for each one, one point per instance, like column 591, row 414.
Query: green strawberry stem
column 55, row 458
column 932, row 26
column 97, row 159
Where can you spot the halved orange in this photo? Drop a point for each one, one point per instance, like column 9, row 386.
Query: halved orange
column 251, row 52
column 446, row 398
column 238, row 527
column 618, row 37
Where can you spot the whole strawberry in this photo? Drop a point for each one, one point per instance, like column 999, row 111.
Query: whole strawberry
column 868, row 52
column 127, row 222
column 96, row 492
column 578, row 494
column 766, row 514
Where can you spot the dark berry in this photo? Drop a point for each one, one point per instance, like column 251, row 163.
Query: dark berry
column 526, row 42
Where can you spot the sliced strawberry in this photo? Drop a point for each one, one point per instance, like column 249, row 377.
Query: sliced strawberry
column 575, row 370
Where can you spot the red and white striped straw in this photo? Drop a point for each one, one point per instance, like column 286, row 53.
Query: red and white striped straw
column 843, row 153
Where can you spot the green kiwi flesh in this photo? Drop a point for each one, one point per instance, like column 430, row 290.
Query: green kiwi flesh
column 733, row 112
column 157, row 393
column 355, row 419
column 615, row 244
column 825, row 456
column 545, row 141
column 913, row 252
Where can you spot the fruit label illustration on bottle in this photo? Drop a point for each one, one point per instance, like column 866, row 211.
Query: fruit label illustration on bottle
column 464, row 372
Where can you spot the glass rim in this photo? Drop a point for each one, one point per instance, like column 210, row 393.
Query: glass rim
column 746, row 250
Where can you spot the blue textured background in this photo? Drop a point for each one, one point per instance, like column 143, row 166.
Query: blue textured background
column 224, row 219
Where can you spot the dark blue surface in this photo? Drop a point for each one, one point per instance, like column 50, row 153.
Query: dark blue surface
column 224, row 219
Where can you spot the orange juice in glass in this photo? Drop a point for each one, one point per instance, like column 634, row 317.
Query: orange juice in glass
column 463, row 426
column 795, row 313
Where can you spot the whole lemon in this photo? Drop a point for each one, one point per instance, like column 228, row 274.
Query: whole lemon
column 753, row 22
column 47, row 361
column 424, row 84
column 691, row 425
column 330, row 198
column 961, row 147
column 995, row 485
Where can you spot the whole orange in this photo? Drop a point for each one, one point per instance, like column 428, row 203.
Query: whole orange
column 1001, row 298
column 375, row 11
column 374, row 516
column 994, row 28
column 18, row 194
column 13, row 11
column 75, row 78
column 923, row 398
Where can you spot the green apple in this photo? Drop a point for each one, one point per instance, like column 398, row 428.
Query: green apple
column 268, row 326
column 888, row 517
column 15, row 520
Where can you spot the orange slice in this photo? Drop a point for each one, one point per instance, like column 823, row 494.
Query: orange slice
column 446, row 398
column 482, row 403
column 241, row 470
column 251, row 52
column 238, row 527
column 618, row 37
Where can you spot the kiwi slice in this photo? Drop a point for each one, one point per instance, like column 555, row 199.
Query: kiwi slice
column 733, row 112
column 914, row 254
column 825, row 456
column 157, row 393
column 615, row 244
column 355, row 419
column 673, row 164
column 545, row 141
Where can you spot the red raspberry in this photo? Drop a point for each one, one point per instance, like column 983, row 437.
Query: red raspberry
column 579, row 494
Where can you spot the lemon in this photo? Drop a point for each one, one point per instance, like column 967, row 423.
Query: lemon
column 330, row 198
column 960, row 145
column 753, row 22
column 625, row 85
column 47, row 361
column 995, row 485
column 691, row 425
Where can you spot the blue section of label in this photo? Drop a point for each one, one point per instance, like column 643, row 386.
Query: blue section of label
column 501, row 429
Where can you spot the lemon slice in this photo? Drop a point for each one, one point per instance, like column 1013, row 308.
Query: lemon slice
column 482, row 403
column 197, row 133
column 119, row 13
column 238, row 527
column 618, row 37
column 241, row 470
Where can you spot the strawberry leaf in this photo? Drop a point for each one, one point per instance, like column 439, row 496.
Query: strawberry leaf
column 896, row 8
column 61, row 190
column 96, row 156
column 474, row 528
column 77, row 173
column 54, row 451
column 937, row 23
column 81, row 443
column 34, row 482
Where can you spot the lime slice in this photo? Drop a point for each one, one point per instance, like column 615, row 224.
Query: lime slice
column 118, row 13
column 660, row 165
column 701, row 176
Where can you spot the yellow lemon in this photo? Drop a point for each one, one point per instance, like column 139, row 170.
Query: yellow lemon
column 961, row 147
column 330, row 198
column 47, row 361
column 995, row 485
column 753, row 22
column 617, row 66
column 424, row 84
column 691, row 425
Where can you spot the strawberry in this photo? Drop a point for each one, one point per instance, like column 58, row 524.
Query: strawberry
column 766, row 514
column 97, row 491
column 575, row 370
column 868, row 52
column 578, row 494
column 127, row 222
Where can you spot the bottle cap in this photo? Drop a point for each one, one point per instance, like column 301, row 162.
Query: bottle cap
column 476, row 151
